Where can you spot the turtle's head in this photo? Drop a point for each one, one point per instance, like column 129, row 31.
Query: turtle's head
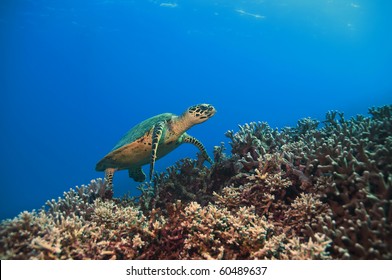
column 199, row 113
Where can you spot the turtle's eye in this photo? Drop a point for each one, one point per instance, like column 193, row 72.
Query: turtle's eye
column 203, row 108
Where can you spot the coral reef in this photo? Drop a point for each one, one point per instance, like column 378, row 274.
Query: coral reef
column 319, row 190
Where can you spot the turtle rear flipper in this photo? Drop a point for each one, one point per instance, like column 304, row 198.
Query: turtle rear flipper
column 137, row 174
column 109, row 175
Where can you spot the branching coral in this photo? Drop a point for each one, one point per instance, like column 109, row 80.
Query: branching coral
column 346, row 164
column 192, row 231
column 79, row 202
column 187, row 180
column 299, row 193
column 111, row 232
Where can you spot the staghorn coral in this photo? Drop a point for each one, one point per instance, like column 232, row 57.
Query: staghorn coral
column 78, row 203
column 111, row 232
column 216, row 233
column 187, row 180
column 351, row 168
column 306, row 192
column 192, row 231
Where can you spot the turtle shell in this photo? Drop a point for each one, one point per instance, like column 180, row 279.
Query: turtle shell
column 141, row 129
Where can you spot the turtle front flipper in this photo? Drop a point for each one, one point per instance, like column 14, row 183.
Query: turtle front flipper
column 156, row 137
column 192, row 140
column 137, row 174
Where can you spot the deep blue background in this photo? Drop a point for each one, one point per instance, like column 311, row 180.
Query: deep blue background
column 76, row 75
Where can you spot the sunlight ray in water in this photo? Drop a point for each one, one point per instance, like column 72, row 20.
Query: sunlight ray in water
column 242, row 12
column 169, row 5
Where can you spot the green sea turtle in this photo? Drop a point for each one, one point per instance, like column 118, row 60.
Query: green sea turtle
column 152, row 139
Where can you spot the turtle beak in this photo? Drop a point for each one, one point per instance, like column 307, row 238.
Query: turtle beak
column 210, row 110
column 207, row 111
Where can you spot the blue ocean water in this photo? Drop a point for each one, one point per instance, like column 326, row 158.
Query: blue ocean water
column 76, row 75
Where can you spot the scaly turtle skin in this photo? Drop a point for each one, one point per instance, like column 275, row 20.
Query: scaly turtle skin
column 153, row 139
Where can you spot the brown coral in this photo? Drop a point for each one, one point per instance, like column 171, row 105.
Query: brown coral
column 299, row 193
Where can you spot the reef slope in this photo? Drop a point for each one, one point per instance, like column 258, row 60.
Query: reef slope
column 314, row 191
